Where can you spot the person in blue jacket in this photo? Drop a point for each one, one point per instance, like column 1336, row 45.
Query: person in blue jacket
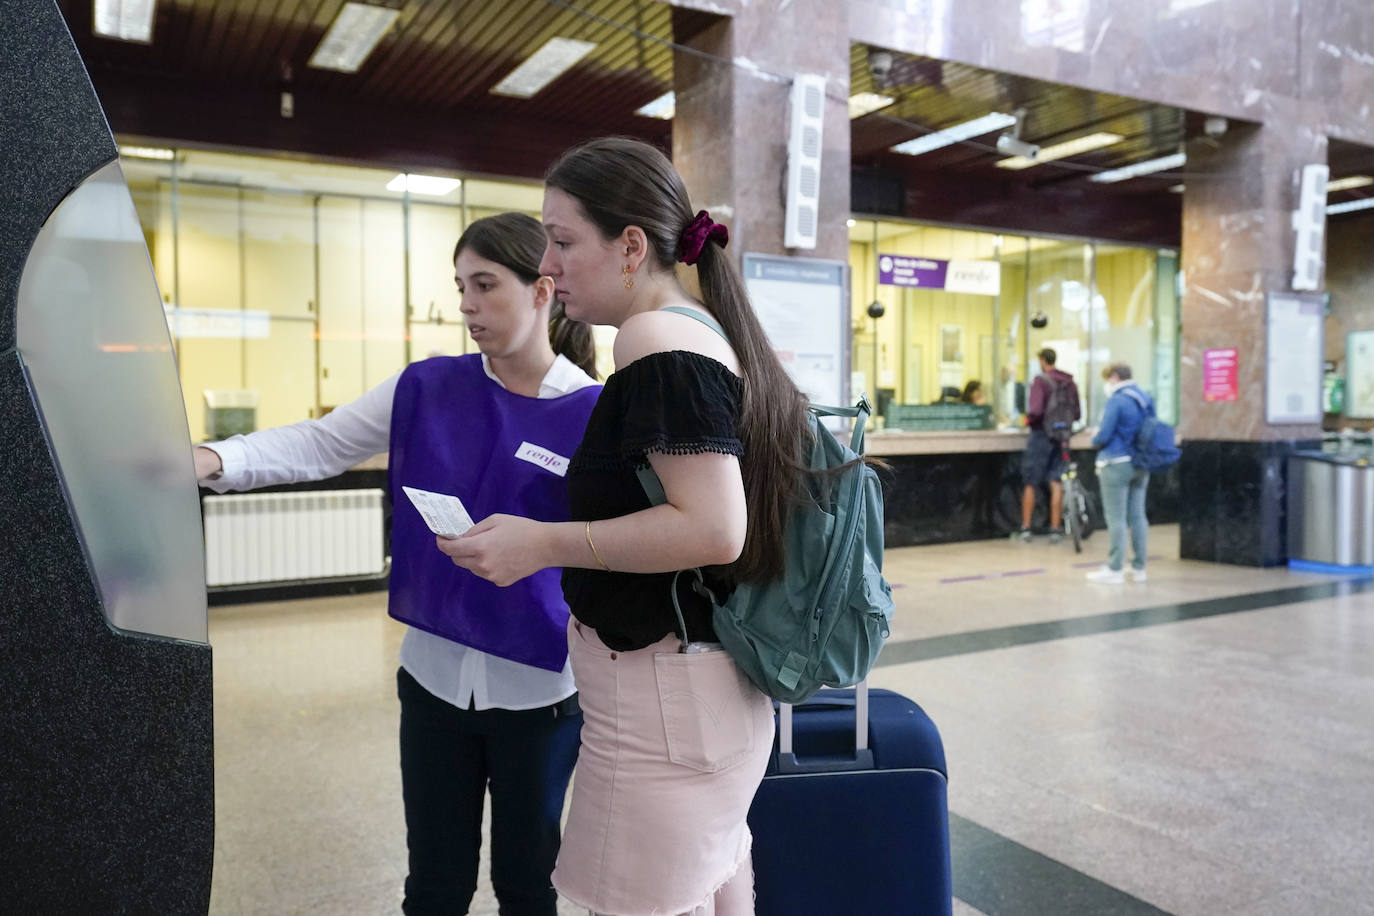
column 1123, row 484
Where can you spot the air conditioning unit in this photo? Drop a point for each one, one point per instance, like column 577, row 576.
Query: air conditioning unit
column 1309, row 221
column 804, row 142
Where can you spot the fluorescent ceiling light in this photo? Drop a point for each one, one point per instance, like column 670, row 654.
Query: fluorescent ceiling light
column 966, row 131
column 862, row 103
column 1349, row 206
column 1063, row 150
column 1349, row 184
column 543, row 67
column 1148, row 167
column 352, row 36
column 665, row 107
column 1177, row 189
column 433, row 185
column 147, row 152
column 127, row 20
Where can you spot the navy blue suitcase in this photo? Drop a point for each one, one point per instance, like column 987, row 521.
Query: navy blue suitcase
column 848, row 823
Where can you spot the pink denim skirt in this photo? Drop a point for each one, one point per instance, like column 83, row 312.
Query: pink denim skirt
column 673, row 748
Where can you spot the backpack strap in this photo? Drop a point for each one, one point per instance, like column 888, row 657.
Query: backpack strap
column 860, row 412
column 1139, row 398
column 704, row 319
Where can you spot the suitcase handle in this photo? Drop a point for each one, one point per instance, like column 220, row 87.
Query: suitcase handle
column 860, row 705
column 790, row 764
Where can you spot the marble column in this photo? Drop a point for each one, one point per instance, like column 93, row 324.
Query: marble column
column 730, row 131
column 1238, row 245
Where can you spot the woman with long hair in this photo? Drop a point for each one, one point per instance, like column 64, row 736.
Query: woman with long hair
column 486, row 691
column 675, row 739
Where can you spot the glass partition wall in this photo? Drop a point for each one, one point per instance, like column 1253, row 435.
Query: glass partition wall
column 956, row 306
column 291, row 287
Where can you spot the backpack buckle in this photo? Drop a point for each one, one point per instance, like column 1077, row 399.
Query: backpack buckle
column 864, row 404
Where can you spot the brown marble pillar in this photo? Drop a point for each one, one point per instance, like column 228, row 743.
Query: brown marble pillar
column 1238, row 245
column 730, row 131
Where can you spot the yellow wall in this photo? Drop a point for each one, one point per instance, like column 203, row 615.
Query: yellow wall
column 910, row 330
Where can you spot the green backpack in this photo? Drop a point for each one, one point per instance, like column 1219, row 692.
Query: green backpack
column 823, row 622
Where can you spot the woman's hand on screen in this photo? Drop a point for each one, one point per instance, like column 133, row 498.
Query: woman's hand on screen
column 207, row 461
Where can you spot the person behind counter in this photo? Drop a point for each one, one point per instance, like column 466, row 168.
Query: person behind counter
column 973, row 394
column 486, row 690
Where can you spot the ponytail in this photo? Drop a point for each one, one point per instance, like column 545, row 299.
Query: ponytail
column 573, row 339
column 620, row 182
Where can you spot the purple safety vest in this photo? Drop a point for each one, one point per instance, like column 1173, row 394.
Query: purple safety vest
column 454, row 430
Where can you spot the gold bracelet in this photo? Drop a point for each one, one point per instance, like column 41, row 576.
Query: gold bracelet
column 594, row 550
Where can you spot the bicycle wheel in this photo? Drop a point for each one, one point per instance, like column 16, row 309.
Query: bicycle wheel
column 1073, row 518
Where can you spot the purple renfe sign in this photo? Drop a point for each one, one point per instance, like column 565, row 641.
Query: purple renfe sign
column 897, row 270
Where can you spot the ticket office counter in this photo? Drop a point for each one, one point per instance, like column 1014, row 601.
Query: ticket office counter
column 942, row 487
column 948, row 486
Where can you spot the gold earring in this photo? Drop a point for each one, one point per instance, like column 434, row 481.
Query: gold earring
column 629, row 280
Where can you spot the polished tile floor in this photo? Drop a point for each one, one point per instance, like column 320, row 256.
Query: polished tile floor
column 1202, row 743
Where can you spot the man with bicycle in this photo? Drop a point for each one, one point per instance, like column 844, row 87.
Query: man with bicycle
column 1051, row 411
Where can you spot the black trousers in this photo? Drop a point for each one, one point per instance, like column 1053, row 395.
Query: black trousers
column 450, row 757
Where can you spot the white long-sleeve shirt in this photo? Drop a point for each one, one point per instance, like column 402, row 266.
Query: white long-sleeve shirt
column 352, row 433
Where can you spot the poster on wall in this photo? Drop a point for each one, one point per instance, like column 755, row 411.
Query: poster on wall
column 1220, row 374
column 803, row 305
column 1359, row 375
column 1295, row 355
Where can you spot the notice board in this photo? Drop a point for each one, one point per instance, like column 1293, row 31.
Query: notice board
column 803, row 305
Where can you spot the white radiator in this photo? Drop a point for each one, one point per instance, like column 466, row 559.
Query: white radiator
column 281, row 537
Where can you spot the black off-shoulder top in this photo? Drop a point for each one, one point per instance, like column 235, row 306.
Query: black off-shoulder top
column 674, row 403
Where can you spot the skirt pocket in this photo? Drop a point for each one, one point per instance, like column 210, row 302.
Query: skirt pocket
column 707, row 707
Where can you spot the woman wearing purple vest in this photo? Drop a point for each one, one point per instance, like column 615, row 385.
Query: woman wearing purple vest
column 675, row 739
column 486, row 690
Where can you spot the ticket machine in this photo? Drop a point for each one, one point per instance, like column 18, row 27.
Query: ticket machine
column 106, row 738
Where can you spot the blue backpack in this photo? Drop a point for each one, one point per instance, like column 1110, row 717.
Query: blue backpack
column 1154, row 449
column 824, row 621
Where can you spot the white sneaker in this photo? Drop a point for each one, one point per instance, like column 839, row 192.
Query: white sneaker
column 1106, row 575
column 1137, row 575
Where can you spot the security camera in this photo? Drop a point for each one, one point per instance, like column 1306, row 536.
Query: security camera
column 880, row 62
column 876, row 309
column 1015, row 146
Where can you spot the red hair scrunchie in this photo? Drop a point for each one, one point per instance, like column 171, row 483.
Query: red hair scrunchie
column 696, row 235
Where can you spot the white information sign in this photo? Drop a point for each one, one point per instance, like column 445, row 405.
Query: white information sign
column 1295, row 351
column 231, row 323
column 981, row 277
column 1359, row 375
column 803, row 305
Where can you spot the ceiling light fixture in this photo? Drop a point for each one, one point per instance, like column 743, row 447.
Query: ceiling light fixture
column 352, row 36
column 1349, row 184
column 1148, row 167
column 1350, row 206
column 1177, row 189
column 663, row 107
column 1063, row 150
column 862, row 103
column 126, row 20
column 147, row 152
column 959, row 132
column 543, row 67
column 433, row 185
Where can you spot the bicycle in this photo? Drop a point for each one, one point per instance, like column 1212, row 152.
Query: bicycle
column 1077, row 510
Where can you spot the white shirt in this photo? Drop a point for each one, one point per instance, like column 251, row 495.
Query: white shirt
column 352, row 433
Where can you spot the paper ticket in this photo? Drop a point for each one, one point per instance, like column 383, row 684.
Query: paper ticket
column 445, row 515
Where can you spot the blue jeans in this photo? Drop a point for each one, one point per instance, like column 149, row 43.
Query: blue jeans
column 1123, row 503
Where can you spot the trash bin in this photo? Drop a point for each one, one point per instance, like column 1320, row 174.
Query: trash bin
column 1331, row 508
